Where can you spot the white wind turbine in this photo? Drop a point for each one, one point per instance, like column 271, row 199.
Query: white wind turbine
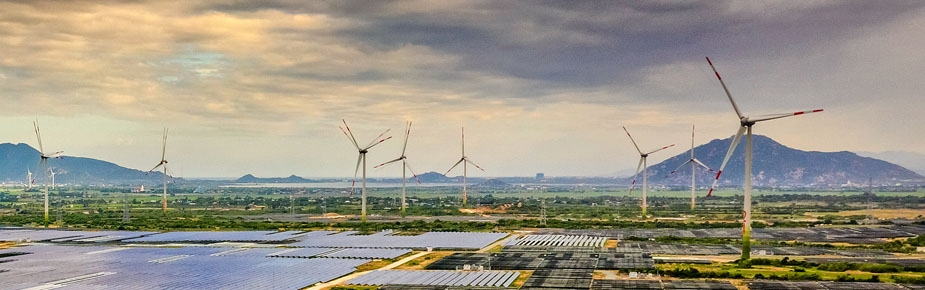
column 745, row 125
column 404, row 164
column 645, row 169
column 163, row 164
column 362, row 158
column 464, row 160
column 694, row 163
column 44, row 163
column 29, row 180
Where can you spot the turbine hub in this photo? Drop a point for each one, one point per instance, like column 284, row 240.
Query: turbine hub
column 745, row 122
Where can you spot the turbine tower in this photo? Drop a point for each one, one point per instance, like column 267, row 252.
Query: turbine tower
column 362, row 158
column 163, row 164
column 694, row 163
column 745, row 126
column 404, row 164
column 43, row 162
column 464, row 160
column 645, row 170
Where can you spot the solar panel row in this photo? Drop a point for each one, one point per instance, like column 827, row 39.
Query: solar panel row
column 443, row 278
column 36, row 235
column 561, row 240
column 246, row 236
column 823, row 285
column 437, row 240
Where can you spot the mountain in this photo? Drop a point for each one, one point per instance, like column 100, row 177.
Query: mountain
column 911, row 160
column 434, row 177
column 777, row 165
column 15, row 159
column 291, row 179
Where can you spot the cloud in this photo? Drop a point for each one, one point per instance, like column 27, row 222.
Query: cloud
column 287, row 69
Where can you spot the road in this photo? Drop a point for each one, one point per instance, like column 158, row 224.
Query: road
column 343, row 279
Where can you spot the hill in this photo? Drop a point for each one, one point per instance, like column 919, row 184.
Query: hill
column 777, row 165
column 291, row 179
column 17, row 158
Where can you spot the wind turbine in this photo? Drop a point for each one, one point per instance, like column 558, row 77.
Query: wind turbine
column 745, row 125
column 362, row 158
column 51, row 171
column 404, row 164
column 645, row 170
column 29, row 180
column 464, row 160
column 44, row 163
column 694, row 163
column 163, row 164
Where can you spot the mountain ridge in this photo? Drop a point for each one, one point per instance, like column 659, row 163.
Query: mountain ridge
column 16, row 159
column 775, row 164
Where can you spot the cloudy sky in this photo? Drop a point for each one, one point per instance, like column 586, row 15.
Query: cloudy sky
column 540, row 86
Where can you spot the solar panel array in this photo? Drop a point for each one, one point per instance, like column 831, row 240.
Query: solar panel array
column 385, row 239
column 823, row 285
column 560, row 241
column 442, row 278
column 677, row 249
column 627, row 284
column 41, row 235
column 866, row 234
column 696, row 284
column 559, row 278
column 52, row 266
column 200, row 237
column 898, row 262
column 367, row 253
column 535, row 260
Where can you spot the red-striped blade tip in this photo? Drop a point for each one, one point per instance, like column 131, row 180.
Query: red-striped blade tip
column 708, row 61
column 718, row 174
column 710, row 193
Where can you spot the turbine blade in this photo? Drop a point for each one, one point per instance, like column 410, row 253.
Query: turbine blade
column 631, row 139
column 407, row 134
column 373, row 143
column 454, row 165
column 633, row 184
column 388, row 162
column 38, row 135
column 415, row 175
column 692, row 141
column 701, row 164
column 349, row 134
column 732, row 147
column 464, row 141
column 355, row 171
column 377, row 143
column 156, row 167
column 734, row 106
column 473, row 164
column 679, row 167
column 660, row 149
column 164, row 150
column 782, row 115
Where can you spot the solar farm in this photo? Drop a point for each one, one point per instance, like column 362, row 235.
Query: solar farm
column 554, row 259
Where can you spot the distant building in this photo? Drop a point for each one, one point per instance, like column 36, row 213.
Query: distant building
column 540, row 176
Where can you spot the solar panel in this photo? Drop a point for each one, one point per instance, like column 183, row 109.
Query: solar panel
column 159, row 268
